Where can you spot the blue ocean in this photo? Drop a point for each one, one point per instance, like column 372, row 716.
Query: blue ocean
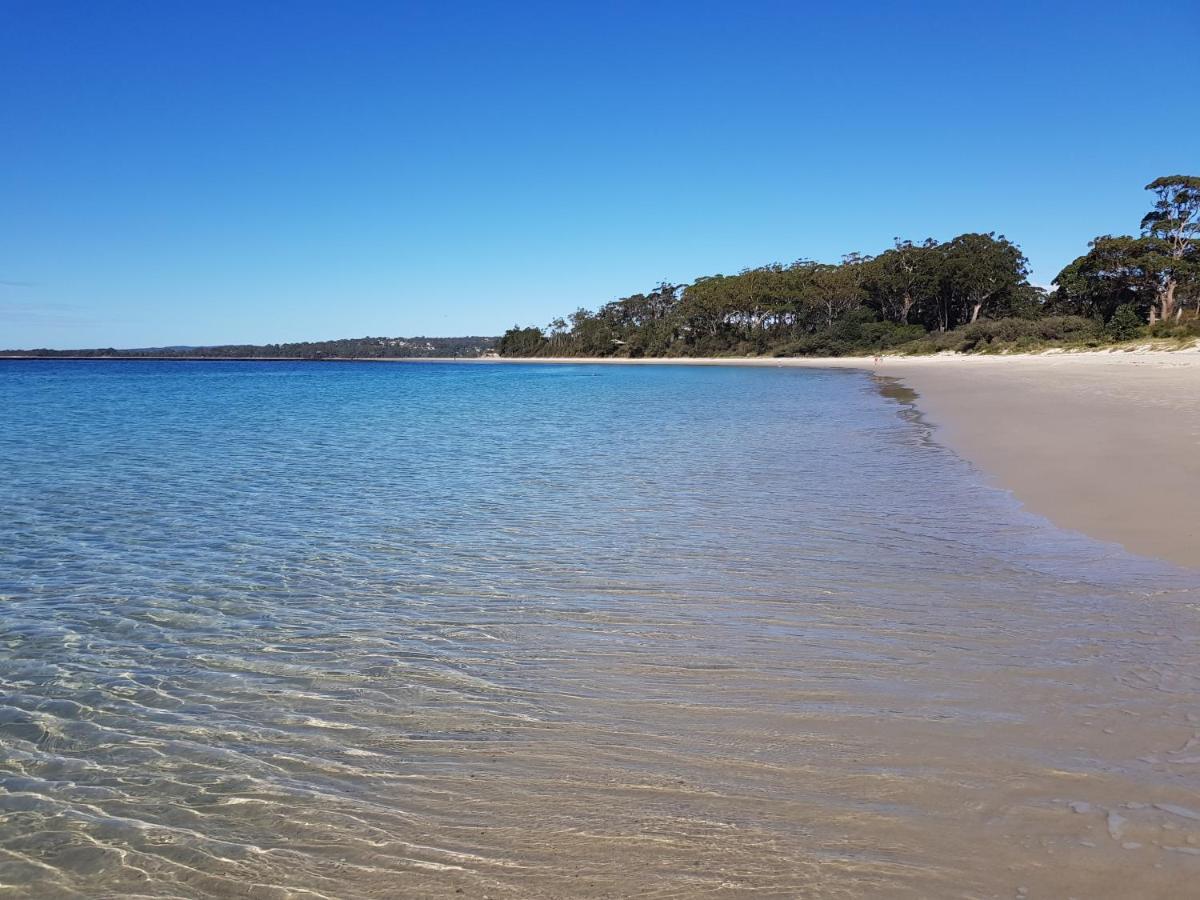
column 342, row 630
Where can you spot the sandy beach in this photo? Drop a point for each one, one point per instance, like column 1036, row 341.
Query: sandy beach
column 1105, row 443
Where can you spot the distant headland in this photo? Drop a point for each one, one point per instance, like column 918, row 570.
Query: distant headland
column 347, row 348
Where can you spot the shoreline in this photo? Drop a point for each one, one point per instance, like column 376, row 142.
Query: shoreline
column 1145, row 351
column 1103, row 442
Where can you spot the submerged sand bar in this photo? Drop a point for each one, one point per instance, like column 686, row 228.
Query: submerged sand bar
column 1106, row 443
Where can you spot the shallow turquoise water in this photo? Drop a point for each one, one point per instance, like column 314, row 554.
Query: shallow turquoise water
column 294, row 629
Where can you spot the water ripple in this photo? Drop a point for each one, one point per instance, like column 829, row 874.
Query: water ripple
column 286, row 631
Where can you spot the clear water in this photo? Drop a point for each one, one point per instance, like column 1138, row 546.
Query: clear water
column 365, row 630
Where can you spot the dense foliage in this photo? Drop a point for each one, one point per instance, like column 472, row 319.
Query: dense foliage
column 348, row 348
column 1157, row 274
column 970, row 293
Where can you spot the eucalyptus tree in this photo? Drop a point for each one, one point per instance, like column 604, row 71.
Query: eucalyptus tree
column 662, row 302
column 518, row 341
column 645, row 323
column 705, row 304
column 1116, row 271
column 840, row 289
column 981, row 269
column 1172, row 230
column 902, row 278
column 591, row 335
column 558, row 336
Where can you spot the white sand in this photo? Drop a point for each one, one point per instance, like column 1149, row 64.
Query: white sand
column 1103, row 443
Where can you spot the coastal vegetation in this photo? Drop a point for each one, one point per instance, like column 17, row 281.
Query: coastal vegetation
column 970, row 293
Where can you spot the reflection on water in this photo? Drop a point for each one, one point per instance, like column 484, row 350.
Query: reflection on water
column 895, row 389
column 289, row 630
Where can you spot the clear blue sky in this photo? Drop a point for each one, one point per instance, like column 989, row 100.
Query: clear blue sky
column 193, row 173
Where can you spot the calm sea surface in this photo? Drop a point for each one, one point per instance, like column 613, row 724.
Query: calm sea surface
column 282, row 630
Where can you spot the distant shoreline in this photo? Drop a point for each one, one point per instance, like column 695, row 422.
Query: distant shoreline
column 838, row 362
column 313, row 359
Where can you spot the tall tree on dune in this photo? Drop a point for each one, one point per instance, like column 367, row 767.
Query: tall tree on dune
column 902, row 278
column 982, row 268
column 1116, row 271
column 1174, row 228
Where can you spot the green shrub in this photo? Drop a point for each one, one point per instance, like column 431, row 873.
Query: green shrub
column 1066, row 328
column 1125, row 324
column 1179, row 330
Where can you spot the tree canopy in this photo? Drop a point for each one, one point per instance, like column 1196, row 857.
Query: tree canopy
column 969, row 292
column 1157, row 273
column 803, row 306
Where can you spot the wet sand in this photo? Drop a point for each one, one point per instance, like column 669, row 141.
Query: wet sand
column 1104, row 443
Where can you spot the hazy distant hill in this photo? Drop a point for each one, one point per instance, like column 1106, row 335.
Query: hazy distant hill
column 347, row 348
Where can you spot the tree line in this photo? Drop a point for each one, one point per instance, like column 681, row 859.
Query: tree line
column 347, row 348
column 968, row 293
